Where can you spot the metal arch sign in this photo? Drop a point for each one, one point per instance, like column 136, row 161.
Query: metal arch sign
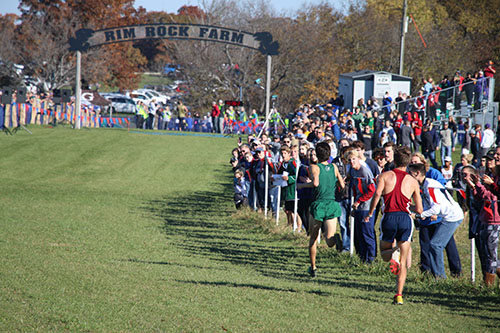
column 87, row 38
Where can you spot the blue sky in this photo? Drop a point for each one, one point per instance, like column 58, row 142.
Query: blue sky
column 10, row 6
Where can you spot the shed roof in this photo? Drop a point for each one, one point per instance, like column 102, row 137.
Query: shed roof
column 368, row 74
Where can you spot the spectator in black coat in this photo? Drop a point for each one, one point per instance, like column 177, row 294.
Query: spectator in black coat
column 429, row 146
column 475, row 148
column 369, row 140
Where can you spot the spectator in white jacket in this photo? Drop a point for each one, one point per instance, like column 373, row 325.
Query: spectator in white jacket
column 438, row 203
column 487, row 140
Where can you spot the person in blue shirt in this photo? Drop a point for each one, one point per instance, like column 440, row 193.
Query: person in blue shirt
column 386, row 103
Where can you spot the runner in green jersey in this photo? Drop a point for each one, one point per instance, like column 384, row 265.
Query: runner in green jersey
column 324, row 209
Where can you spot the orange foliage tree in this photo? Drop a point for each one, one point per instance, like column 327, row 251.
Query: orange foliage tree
column 46, row 26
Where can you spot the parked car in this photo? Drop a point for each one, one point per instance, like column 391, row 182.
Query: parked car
column 121, row 103
column 160, row 98
column 140, row 96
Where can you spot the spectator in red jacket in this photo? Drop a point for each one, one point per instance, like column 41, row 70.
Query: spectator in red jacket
column 215, row 117
column 433, row 103
column 420, row 103
column 489, row 71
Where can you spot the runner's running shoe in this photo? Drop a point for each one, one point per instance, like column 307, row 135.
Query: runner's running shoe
column 311, row 271
column 394, row 265
column 398, row 300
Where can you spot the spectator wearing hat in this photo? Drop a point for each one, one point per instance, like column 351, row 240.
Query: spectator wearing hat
column 490, row 171
column 447, row 170
column 497, row 155
column 488, row 139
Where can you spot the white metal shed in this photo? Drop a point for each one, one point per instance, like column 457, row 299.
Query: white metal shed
column 367, row 83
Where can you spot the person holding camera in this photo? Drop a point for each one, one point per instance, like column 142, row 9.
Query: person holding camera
column 259, row 174
column 488, row 223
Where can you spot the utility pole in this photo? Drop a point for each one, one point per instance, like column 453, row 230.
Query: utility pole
column 78, row 90
column 404, row 28
column 268, row 85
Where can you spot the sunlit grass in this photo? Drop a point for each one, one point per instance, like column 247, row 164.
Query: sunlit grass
column 105, row 230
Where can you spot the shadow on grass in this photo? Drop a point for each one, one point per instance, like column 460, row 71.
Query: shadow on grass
column 202, row 225
column 148, row 262
column 255, row 286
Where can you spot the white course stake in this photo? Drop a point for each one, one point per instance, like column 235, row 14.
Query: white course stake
column 472, row 261
column 296, row 203
column 351, row 225
column 266, row 189
column 278, row 205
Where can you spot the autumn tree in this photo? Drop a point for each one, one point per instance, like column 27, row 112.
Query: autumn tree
column 44, row 30
column 479, row 23
column 8, row 55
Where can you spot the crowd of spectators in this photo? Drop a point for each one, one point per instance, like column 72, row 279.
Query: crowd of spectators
column 362, row 142
column 222, row 118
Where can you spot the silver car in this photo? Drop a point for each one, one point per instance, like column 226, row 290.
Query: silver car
column 121, row 103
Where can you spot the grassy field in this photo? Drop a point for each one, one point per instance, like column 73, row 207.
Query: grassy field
column 106, row 230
